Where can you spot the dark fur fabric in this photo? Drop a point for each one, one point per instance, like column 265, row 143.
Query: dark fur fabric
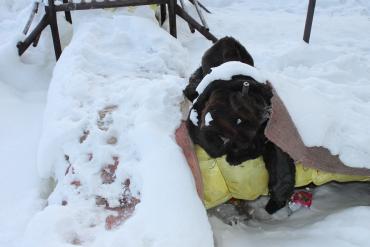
column 224, row 50
column 238, row 121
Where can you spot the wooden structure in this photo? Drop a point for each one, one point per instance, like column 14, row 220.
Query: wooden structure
column 66, row 6
column 309, row 20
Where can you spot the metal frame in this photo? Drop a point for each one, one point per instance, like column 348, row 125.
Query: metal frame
column 51, row 10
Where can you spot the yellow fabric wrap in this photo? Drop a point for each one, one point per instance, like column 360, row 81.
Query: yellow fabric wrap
column 249, row 180
column 152, row 6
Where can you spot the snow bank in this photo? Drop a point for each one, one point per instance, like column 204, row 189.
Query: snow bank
column 18, row 145
column 23, row 88
column 113, row 107
column 227, row 70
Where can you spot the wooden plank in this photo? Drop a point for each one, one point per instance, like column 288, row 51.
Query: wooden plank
column 106, row 4
column 309, row 20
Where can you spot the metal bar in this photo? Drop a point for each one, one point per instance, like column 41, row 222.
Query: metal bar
column 30, row 19
column 52, row 15
column 36, row 41
column 68, row 13
column 23, row 46
column 201, row 29
column 184, row 7
column 201, row 16
column 105, row 4
column 172, row 17
column 309, row 20
column 202, row 6
column 163, row 9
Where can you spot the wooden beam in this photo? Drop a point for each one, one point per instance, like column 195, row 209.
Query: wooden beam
column 309, row 20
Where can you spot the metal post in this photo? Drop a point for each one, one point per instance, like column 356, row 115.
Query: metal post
column 35, row 8
column 68, row 13
column 309, row 20
column 163, row 13
column 202, row 19
column 52, row 16
column 202, row 6
column 184, row 7
column 172, row 17
column 180, row 12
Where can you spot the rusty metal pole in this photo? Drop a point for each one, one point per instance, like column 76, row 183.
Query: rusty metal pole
column 309, row 20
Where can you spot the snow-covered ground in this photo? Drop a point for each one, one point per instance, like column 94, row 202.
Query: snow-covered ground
column 139, row 68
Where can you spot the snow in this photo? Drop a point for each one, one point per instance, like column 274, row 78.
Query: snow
column 194, row 117
column 226, row 71
column 135, row 72
column 23, row 88
column 335, row 219
column 208, row 118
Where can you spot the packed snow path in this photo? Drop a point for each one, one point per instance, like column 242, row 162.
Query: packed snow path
column 108, row 139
